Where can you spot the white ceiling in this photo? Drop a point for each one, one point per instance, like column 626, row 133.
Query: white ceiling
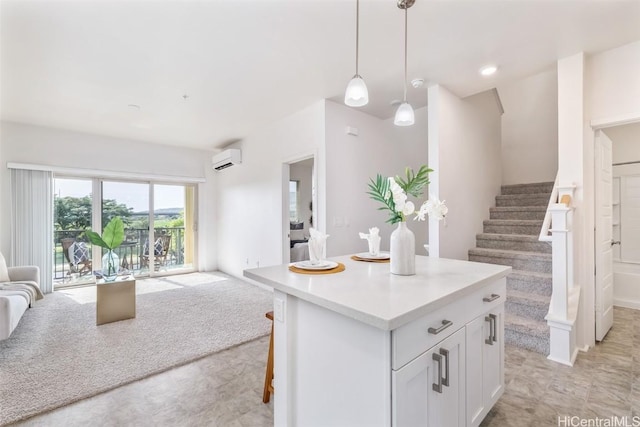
column 78, row 65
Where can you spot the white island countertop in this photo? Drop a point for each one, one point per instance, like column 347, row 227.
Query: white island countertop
column 369, row 293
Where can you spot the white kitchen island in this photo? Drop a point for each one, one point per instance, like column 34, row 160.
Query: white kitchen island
column 364, row 347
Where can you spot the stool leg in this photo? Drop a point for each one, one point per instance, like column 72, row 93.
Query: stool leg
column 268, row 388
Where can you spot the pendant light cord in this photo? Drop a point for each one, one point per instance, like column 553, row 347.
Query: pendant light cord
column 405, row 52
column 357, row 33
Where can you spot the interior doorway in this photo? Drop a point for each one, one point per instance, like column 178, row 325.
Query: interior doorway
column 299, row 205
column 625, row 214
column 617, row 221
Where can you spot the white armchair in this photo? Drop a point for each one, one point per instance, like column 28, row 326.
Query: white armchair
column 22, row 290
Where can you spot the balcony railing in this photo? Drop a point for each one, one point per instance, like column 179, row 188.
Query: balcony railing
column 133, row 252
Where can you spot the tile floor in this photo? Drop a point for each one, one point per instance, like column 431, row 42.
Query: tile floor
column 225, row 389
column 604, row 382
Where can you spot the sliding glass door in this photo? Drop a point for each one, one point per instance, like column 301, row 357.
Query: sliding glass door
column 72, row 215
column 159, row 227
column 129, row 201
column 173, row 226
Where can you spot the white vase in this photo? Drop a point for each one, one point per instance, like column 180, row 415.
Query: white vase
column 403, row 251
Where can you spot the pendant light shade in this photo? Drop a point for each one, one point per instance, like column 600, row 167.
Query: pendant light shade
column 356, row 94
column 404, row 115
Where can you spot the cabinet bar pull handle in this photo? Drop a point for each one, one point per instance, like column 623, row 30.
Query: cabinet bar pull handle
column 445, row 325
column 493, row 297
column 490, row 318
column 445, row 354
column 438, row 386
column 495, row 327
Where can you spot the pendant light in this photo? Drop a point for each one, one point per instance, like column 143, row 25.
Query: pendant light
column 404, row 113
column 356, row 94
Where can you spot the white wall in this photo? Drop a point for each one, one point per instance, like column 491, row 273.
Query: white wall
column 465, row 151
column 302, row 172
column 572, row 157
column 626, row 142
column 250, row 200
column 626, row 285
column 613, row 82
column 22, row 143
column 610, row 93
column 380, row 147
column 530, row 129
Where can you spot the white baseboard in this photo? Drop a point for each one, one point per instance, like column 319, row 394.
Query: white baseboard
column 626, row 303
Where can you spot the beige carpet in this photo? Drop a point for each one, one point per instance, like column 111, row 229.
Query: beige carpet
column 57, row 354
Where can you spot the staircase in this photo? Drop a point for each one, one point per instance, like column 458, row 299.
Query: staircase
column 510, row 237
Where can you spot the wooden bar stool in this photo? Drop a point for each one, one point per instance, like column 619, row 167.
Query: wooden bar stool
column 268, row 378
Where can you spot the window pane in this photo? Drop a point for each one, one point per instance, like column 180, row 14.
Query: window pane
column 173, row 226
column 129, row 201
column 71, row 217
column 293, row 201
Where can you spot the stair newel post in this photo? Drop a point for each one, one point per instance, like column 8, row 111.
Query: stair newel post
column 562, row 259
column 565, row 295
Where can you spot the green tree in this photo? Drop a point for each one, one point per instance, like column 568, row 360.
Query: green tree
column 74, row 213
column 112, row 209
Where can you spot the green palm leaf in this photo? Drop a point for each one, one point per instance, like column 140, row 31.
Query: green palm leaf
column 112, row 235
column 414, row 184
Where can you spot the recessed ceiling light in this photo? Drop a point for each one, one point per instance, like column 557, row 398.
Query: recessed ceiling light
column 488, row 70
column 134, row 106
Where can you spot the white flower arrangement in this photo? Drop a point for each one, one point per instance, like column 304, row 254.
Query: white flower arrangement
column 393, row 193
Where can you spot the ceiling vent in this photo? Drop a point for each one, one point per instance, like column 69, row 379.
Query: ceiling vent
column 226, row 159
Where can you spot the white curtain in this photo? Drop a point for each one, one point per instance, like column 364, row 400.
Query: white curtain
column 32, row 222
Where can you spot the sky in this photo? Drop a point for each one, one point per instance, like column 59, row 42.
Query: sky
column 134, row 195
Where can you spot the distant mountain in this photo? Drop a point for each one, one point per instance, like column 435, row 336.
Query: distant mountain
column 161, row 212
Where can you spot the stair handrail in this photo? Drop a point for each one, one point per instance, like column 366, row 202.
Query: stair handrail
column 545, row 235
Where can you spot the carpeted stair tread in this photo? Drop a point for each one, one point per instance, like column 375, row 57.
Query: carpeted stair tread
column 526, row 333
column 508, row 237
column 518, row 212
column 527, row 305
column 530, row 281
column 504, row 253
column 543, row 187
column 524, row 242
column 532, row 199
column 531, row 275
column 532, row 222
column 518, row 208
column 526, row 326
column 528, row 298
column 512, row 226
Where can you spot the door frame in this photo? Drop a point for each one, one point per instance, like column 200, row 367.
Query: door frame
column 588, row 332
column 286, row 165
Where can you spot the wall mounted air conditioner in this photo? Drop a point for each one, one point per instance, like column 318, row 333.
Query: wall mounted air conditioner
column 227, row 158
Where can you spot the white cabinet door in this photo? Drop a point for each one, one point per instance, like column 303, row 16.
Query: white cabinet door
column 485, row 370
column 429, row 391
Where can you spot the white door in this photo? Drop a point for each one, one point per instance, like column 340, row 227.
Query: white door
column 604, row 234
